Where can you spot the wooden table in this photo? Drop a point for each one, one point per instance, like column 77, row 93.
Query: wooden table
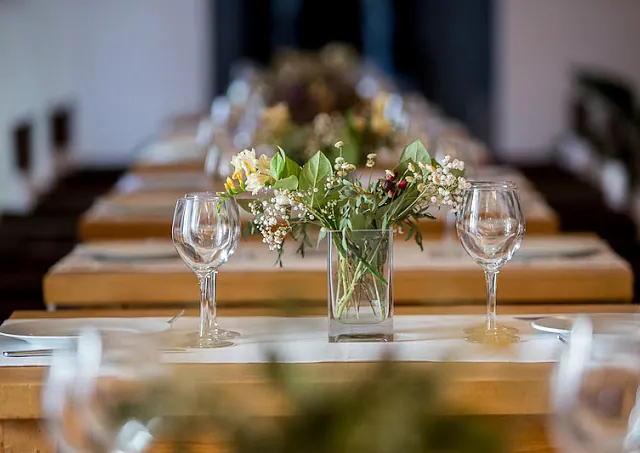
column 148, row 211
column 170, row 153
column 436, row 276
column 514, row 395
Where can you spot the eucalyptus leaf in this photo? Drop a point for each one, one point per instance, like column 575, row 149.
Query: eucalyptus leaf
column 244, row 203
column 315, row 172
column 277, row 164
column 416, row 152
column 290, row 183
column 291, row 168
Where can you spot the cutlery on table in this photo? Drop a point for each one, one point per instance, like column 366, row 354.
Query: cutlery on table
column 176, row 317
column 529, row 318
column 49, row 352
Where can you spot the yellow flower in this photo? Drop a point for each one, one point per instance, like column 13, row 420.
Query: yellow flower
column 276, row 118
column 229, row 185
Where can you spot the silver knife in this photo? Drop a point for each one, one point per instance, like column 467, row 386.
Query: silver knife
column 49, row 352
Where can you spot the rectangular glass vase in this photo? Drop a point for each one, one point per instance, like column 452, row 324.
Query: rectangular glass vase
column 360, row 281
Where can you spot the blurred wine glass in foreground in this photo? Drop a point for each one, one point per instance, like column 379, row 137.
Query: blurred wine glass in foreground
column 491, row 227
column 102, row 395
column 595, row 392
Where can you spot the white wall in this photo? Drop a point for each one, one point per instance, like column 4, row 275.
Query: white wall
column 537, row 43
column 143, row 60
column 126, row 64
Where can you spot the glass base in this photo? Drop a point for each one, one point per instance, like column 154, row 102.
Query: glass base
column 361, row 332
column 212, row 341
column 483, row 328
column 224, row 333
column 501, row 335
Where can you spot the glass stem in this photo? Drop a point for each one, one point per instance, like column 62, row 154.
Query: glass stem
column 208, row 304
column 213, row 303
column 491, row 278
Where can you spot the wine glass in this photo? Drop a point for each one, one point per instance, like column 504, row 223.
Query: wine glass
column 204, row 234
column 491, row 227
column 106, row 394
column 595, row 390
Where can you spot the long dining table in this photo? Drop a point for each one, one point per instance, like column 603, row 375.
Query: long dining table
column 508, row 389
column 569, row 269
column 147, row 213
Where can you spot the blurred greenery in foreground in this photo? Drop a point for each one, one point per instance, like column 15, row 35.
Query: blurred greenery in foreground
column 395, row 409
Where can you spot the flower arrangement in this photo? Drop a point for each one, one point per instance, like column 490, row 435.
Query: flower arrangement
column 312, row 83
column 363, row 129
column 337, row 197
column 348, row 205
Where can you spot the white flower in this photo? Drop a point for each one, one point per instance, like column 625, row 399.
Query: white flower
column 411, row 168
column 371, row 156
column 255, row 182
column 339, row 144
column 282, row 200
column 409, row 178
column 245, row 160
column 264, row 164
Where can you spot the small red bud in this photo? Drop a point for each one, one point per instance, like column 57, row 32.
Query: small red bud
column 402, row 185
column 387, row 185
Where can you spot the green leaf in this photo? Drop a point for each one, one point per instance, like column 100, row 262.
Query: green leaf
column 315, row 172
column 321, row 235
column 244, row 203
column 291, row 168
column 290, row 183
column 416, row 152
column 277, row 164
column 283, row 167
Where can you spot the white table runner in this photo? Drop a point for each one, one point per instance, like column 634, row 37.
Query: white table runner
column 304, row 340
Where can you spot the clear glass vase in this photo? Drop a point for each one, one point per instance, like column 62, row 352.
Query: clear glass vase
column 359, row 275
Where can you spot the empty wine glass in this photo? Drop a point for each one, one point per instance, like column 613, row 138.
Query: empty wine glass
column 595, row 390
column 491, row 227
column 107, row 394
column 204, row 234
